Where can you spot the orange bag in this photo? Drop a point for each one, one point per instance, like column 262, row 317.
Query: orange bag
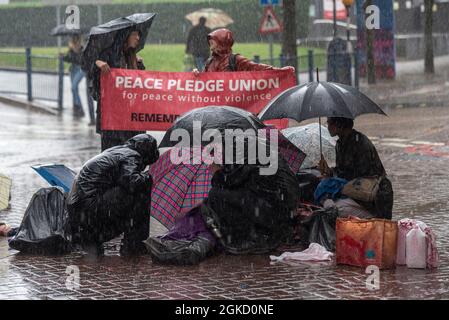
column 364, row 242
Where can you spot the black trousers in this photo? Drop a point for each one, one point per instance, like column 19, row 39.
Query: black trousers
column 115, row 212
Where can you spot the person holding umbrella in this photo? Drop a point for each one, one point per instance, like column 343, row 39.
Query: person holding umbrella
column 357, row 160
column 115, row 45
column 357, row 157
column 197, row 44
column 74, row 56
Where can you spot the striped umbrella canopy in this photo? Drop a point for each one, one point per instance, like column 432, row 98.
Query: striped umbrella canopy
column 215, row 18
column 182, row 184
column 177, row 187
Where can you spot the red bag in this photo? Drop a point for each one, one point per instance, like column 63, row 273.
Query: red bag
column 364, row 242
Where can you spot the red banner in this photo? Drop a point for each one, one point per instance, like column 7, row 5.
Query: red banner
column 151, row 100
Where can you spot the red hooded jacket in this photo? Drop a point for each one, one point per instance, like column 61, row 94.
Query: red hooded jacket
column 219, row 60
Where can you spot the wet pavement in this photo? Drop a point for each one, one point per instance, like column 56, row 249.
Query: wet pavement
column 412, row 143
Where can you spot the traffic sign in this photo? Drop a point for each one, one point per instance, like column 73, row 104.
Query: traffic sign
column 269, row 2
column 270, row 23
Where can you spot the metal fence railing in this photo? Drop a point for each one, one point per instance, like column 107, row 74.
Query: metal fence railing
column 308, row 64
column 35, row 76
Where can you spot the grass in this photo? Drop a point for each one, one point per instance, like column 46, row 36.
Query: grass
column 158, row 57
column 39, row 3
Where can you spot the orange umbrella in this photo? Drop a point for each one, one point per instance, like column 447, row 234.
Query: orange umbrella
column 215, row 18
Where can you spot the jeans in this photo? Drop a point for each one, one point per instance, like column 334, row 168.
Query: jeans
column 200, row 62
column 76, row 75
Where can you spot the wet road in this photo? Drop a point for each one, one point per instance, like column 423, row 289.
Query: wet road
column 412, row 144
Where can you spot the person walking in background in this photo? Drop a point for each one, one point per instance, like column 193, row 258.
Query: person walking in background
column 74, row 56
column 197, row 43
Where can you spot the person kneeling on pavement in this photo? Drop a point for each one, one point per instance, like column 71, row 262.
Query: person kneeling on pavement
column 110, row 196
column 359, row 180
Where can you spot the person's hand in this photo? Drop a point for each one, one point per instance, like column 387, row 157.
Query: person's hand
column 289, row 68
column 324, row 167
column 196, row 72
column 215, row 167
column 103, row 66
column 4, row 229
column 139, row 59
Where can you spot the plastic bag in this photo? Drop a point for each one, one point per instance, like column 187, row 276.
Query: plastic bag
column 416, row 248
column 322, row 228
column 42, row 228
column 179, row 252
column 362, row 242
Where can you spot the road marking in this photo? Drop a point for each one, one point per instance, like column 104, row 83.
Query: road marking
column 428, row 143
column 395, row 144
column 395, row 140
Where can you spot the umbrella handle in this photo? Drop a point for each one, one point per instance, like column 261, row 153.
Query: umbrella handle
column 321, row 145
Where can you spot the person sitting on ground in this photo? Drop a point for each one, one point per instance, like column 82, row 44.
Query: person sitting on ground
column 222, row 58
column 356, row 157
column 251, row 213
column 110, row 195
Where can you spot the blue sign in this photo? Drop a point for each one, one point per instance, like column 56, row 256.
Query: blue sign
column 270, row 2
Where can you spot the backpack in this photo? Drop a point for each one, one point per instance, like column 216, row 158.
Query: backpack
column 232, row 66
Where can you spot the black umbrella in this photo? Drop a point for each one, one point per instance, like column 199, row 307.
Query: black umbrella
column 62, row 30
column 213, row 117
column 319, row 99
column 103, row 36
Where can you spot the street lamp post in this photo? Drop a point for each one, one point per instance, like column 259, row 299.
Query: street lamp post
column 348, row 4
column 335, row 18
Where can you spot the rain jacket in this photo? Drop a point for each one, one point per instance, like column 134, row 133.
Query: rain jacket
column 118, row 166
column 219, row 61
column 357, row 157
column 249, row 212
column 73, row 57
column 114, row 56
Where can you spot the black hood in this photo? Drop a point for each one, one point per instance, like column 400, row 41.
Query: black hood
column 146, row 146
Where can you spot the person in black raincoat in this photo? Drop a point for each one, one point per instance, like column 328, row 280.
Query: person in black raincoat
column 249, row 212
column 121, row 55
column 357, row 157
column 111, row 195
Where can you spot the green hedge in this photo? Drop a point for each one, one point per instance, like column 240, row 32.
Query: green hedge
column 31, row 26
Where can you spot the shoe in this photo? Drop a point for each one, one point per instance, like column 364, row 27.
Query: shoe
column 94, row 249
column 132, row 249
column 78, row 111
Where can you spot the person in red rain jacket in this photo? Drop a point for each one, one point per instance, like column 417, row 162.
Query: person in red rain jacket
column 222, row 58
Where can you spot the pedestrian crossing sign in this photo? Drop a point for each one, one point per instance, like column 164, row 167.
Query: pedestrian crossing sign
column 270, row 23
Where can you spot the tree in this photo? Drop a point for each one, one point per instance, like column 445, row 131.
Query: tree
column 289, row 50
column 428, row 36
